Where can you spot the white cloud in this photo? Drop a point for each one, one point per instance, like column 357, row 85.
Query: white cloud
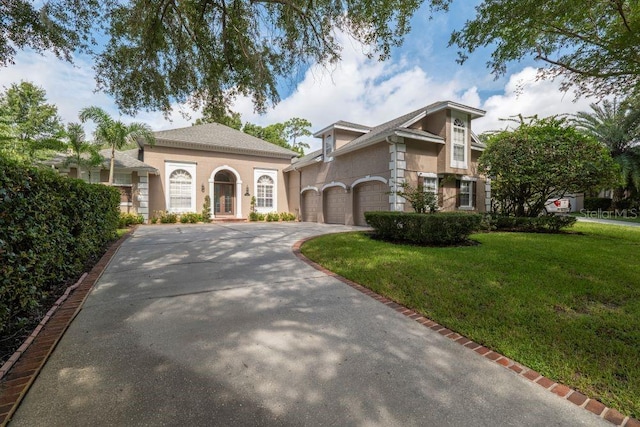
column 359, row 90
column 71, row 87
column 526, row 95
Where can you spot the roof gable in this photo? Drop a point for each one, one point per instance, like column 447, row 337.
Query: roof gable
column 217, row 137
column 401, row 125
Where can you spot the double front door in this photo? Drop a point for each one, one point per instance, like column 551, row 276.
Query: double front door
column 223, row 198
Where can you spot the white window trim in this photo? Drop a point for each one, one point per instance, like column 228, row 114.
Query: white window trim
column 457, row 163
column 171, row 167
column 273, row 174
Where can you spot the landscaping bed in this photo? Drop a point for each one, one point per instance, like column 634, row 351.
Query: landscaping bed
column 565, row 305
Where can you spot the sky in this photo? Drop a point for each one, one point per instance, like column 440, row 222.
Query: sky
column 365, row 91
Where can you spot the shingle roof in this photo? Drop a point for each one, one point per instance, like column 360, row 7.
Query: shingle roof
column 306, row 160
column 352, row 125
column 400, row 124
column 217, row 137
column 122, row 160
column 125, row 160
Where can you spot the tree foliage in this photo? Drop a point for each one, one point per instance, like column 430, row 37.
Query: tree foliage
column 541, row 159
column 593, row 43
column 28, row 124
column 84, row 154
column 59, row 26
column 295, row 128
column 617, row 126
column 115, row 133
column 203, row 51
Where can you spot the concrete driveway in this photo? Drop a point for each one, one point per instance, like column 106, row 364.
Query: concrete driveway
column 223, row 325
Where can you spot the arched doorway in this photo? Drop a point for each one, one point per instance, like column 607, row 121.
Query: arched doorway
column 224, row 184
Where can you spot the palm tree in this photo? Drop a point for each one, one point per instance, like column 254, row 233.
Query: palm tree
column 84, row 154
column 115, row 133
column 617, row 126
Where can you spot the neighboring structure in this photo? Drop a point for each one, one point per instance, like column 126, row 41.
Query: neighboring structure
column 358, row 169
column 131, row 177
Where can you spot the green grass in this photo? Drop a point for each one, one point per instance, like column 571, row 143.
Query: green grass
column 631, row 216
column 566, row 305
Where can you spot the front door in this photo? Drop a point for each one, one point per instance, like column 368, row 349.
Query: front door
column 223, row 198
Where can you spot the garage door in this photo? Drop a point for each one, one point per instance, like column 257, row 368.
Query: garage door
column 369, row 196
column 310, row 202
column 334, row 200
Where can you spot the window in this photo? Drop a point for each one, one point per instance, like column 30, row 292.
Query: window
column 92, row 177
column 328, row 147
column 180, row 187
column 122, row 178
column 264, row 197
column 180, row 183
column 430, row 185
column 466, row 192
column 459, row 144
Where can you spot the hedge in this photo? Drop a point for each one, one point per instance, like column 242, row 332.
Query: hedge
column 445, row 228
column 540, row 224
column 50, row 228
column 597, row 203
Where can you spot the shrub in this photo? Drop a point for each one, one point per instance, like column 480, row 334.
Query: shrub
column 128, row 219
column 50, row 228
column 168, row 218
column 597, row 203
column 253, row 216
column 541, row 224
column 206, row 209
column 273, row 217
column 448, row 228
column 261, row 216
column 190, row 218
column 286, row 216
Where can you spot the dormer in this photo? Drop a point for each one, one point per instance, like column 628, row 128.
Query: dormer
column 338, row 134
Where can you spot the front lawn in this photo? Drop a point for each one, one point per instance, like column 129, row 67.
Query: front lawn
column 567, row 306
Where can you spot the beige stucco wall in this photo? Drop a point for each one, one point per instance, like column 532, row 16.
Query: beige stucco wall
column 205, row 163
column 344, row 136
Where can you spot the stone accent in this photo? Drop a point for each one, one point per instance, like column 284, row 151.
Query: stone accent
column 397, row 166
column 143, row 195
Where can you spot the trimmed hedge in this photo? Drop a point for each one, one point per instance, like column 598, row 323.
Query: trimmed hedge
column 540, row 224
column 50, row 228
column 444, row 228
column 595, row 203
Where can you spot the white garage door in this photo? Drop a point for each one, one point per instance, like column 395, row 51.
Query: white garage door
column 370, row 196
column 310, row 202
column 334, row 200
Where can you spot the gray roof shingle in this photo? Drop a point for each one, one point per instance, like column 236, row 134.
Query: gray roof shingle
column 306, row 160
column 217, row 137
column 378, row 133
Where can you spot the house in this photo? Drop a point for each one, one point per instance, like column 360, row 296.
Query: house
column 359, row 168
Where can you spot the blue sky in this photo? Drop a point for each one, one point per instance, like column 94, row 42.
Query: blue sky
column 423, row 70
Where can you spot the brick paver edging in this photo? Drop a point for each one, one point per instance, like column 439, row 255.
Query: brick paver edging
column 560, row 390
column 22, row 368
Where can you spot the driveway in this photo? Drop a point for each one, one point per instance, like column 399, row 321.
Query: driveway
column 223, row 325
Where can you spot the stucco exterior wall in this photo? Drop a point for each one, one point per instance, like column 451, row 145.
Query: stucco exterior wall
column 206, row 162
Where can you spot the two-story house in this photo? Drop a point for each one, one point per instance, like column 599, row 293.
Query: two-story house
column 360, row 168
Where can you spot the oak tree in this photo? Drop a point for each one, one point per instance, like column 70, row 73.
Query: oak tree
column 594, row 44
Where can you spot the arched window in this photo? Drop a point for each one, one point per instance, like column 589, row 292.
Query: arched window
column 180, row 186
column 264, row 196
column 459, row 144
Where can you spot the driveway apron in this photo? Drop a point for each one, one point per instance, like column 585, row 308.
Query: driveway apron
column 223, row 325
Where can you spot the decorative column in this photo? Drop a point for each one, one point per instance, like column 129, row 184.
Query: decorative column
column 238, row 199
column 213, row 204
column 397, row 166
column 143, row 195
